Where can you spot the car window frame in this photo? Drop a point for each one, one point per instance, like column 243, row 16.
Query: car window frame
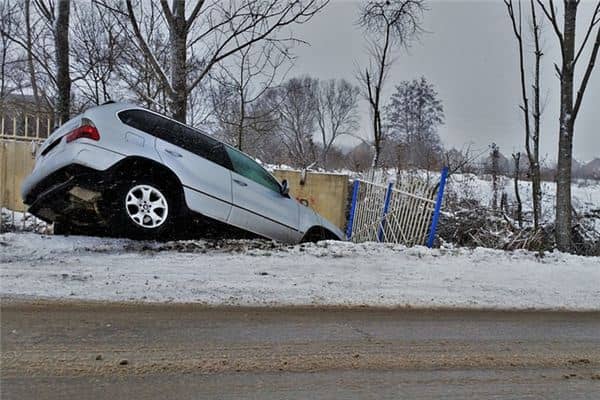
column 276, row 182
column 226, row 161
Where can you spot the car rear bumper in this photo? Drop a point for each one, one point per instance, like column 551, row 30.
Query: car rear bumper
column 81, row 154
column 70, row 193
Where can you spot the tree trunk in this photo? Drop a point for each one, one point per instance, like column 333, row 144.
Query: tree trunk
column 61, row 42
column 30, row 66
column 495, row 156
column 565, row 139
column 178, row 38
column 517, row 158
column 534, row 159
column 377, row 140
column 242, row 120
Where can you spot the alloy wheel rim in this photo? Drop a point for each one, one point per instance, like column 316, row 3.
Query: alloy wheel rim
column 146, row 206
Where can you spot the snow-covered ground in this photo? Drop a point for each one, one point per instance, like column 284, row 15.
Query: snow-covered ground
column 585, row 193
column 17, row 221
column 253, row 273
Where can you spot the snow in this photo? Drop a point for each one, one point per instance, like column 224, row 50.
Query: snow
column 254, row 273
column 17, row 221
column 585, row 193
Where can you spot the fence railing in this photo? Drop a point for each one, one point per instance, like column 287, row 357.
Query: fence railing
column 407, row 214
column 15, row 221
column 20, row 136
column 26, row 127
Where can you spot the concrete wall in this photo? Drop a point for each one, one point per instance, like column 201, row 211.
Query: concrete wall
column 16, row 162
column 327, row 194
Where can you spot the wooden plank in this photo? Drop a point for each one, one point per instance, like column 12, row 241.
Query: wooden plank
column 16, row 162
column 3, row 174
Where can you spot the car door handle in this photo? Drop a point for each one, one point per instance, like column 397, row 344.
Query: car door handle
column 241, row 183
column 173, row 153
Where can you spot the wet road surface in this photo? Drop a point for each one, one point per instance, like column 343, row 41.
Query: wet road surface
column 94, row 350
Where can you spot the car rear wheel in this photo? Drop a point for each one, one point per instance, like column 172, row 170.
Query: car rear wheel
column 144, row 210
column 66, row 229
column 146, row 206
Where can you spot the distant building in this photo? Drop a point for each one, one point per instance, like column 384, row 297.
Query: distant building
column 22, row 119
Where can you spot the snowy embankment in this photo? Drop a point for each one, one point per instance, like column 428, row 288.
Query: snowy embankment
column 254, row 273
column 585, row 193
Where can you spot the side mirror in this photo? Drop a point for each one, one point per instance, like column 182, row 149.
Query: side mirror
column 285, row 190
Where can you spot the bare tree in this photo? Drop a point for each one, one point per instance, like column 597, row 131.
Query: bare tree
column 360, row 157
column 33, row 36
column 295, row 104
column 96, row 54
column 8, row 22
column 29, row 45
column 138, row 75
column 532, row 134
column 517, row 167
column 336, row 112
column 207, row 33
column 463, row 160
column 44, row 37
column 389, row 24
column 569, row 104
column 242, row 83
column 61, row 45
column 495, row 158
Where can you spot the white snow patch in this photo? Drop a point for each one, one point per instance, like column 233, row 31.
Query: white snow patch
column 585, row 193
column 18, row 221
column 328, row 273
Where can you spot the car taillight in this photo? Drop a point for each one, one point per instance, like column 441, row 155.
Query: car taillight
column 86, row 131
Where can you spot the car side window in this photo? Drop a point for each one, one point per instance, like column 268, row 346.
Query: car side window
column 139, row 119
column 177, row 134
column 247, row 167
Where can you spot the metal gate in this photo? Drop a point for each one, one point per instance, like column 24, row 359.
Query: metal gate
column 406, row 214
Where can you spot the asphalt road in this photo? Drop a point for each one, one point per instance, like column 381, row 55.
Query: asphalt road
column 111, row 351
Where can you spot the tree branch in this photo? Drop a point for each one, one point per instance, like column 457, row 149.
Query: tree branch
column 146, row 50
column 586, row 76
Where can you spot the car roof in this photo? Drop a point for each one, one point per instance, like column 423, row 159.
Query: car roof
column 122, row 106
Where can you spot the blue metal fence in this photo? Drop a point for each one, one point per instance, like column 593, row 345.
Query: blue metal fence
column 407, row 213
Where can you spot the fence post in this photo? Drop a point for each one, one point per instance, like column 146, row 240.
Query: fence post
column 352, row 209
column 438, row 207
column 386, row 207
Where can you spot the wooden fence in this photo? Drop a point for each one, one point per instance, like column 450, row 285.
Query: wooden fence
column 20, row 136
column 16, row 162
column 25, row 127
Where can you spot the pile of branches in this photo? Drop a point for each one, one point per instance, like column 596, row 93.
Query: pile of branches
column 586, row 233
column 483, row 227
column 478, row 226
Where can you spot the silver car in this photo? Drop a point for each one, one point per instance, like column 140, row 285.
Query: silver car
column 123, row 170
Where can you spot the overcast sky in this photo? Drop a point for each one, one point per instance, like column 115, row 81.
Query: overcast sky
column 469, row 54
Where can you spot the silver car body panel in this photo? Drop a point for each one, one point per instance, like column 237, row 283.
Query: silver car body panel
column 209, row 188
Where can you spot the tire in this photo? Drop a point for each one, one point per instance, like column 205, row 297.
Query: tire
column 143, row 209
column 66, row 228
column 63, row 228
column 316, row 234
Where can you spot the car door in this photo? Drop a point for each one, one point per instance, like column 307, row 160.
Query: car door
column 258, row 204
column 201, row 164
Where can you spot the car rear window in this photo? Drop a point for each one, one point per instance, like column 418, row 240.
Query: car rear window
column 177, row 134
